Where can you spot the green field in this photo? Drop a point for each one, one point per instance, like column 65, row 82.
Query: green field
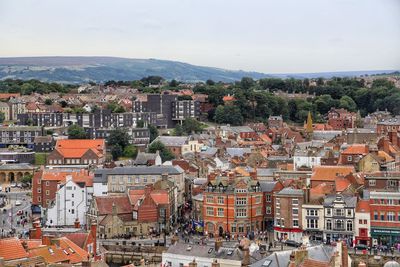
column 40, row 158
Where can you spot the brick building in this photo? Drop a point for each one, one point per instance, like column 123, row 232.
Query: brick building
column 269, row 188
column 340, row 119
column 288, row 223
column 232, row 205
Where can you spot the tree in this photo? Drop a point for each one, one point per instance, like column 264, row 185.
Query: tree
column 130, row 151
column 228, row 114
column 210, row 82
column 27, row 179
column 190, row 125
column 140, row 124
column 48, row 101
column 116, row 152
column 76, row 132
column 173, row 83
column 178, row 131
column 153, row 132
column 115, row 107
column 246, row 83
column 118, row 137
column 2, row 117
column 63, row 103
column 348, row 103
column 165, row 153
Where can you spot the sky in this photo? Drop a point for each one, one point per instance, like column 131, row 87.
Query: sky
column 280, row 36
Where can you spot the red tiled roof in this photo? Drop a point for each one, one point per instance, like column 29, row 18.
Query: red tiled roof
column 342, row 184
column 32, row 243
column 81, row 144
column 51, row 254
column 9, row 95
column 321, row 190
column 12, row 249
column 105, row 204
column 363, row 206
column 77, row 254
column 77, row 177
column 160, row 197
column 329, row 173
column 314, row 263
column 228, row 98
column 78, row 238
column 356, row 149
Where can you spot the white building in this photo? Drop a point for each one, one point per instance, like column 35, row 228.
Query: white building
column 363, row 223
column 100, row 187
column 307, row 158
column 71, row 203
column 313, row 221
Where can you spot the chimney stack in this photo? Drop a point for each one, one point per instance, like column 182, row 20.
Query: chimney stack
column 77, row 224
column 93, row 232
column 193, row 263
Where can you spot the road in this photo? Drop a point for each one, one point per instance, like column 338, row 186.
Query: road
column 8, row 214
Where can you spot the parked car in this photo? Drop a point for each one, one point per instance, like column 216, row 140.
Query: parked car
column 292, row 243
column 20, row 212
column 18, row 203
column 13, row 185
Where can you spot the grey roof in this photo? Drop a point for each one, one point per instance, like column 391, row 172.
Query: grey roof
column 350, row 201
column 290, row 191
column 313, row 143
column 20, row 166
column 281, row 258
column 390, row 121
column 238, row 151
column 209, row 152
column 267, row 186
column 325, row 135
column 140, row 170
column 266, row 171
column 142, row 158
column 172, row 140
column 208, row 251
column 241, row 129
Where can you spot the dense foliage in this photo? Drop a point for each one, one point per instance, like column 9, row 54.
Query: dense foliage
column 76, row 132
column 165, row 153
column 33, row 86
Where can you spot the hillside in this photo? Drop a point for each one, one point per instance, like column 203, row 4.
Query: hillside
column 100, row 69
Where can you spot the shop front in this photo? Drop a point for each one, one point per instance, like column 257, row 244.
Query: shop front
column 385, row 236
column 283, row 234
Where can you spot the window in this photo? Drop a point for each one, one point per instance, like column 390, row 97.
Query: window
column 328, row 212
column 349, row 226
column 72, row 211
column 241, row 212
column 382, row 216
column 372, row 182
column 375, row 215
column 349, row 158
column 295, row 223
column 40, row 199
column 210, row 211
column 233, row 228
column 312, row 223
column 72, row 195
column 136, row 180
column 258, row 199
column 241, row 201
column 339, row 225
column 295, row 211
column 39, row 190
column 240, row 190
column 365, row 221
column 220, row 212
column 277, row 211
column 268, row 210
column 129, row 179
column 145, row 180
column 220, row 200
column 258, row 211
column 349, row 213
column 47, row 192
column 277, row 201
column 390, row 216
column 338, row 212
column 268, row 198
column 210, row 199
column 360, row 221
column 47, row 183
column 390, row 201
column 328, row 225
column 312, row 212
column 391, row 183
column 295, row 201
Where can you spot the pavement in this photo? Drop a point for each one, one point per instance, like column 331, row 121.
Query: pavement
column 8, row 214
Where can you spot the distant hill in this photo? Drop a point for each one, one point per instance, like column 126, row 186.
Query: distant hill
column 100, row 69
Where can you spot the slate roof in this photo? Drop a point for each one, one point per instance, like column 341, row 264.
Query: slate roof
column 281, row 258
column 238, row 151
column 290, row 191
column 350, row 201
column 267, row 186
column 142, row 158
column 20, row 166
column 105, row 204
column 138, row 170
column 172, row 140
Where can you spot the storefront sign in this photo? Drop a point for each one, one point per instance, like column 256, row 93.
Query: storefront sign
column 385, row 231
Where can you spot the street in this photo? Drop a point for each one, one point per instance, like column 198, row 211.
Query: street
column 9, row 218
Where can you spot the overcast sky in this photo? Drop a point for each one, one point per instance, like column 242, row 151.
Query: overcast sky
column 267, row 36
